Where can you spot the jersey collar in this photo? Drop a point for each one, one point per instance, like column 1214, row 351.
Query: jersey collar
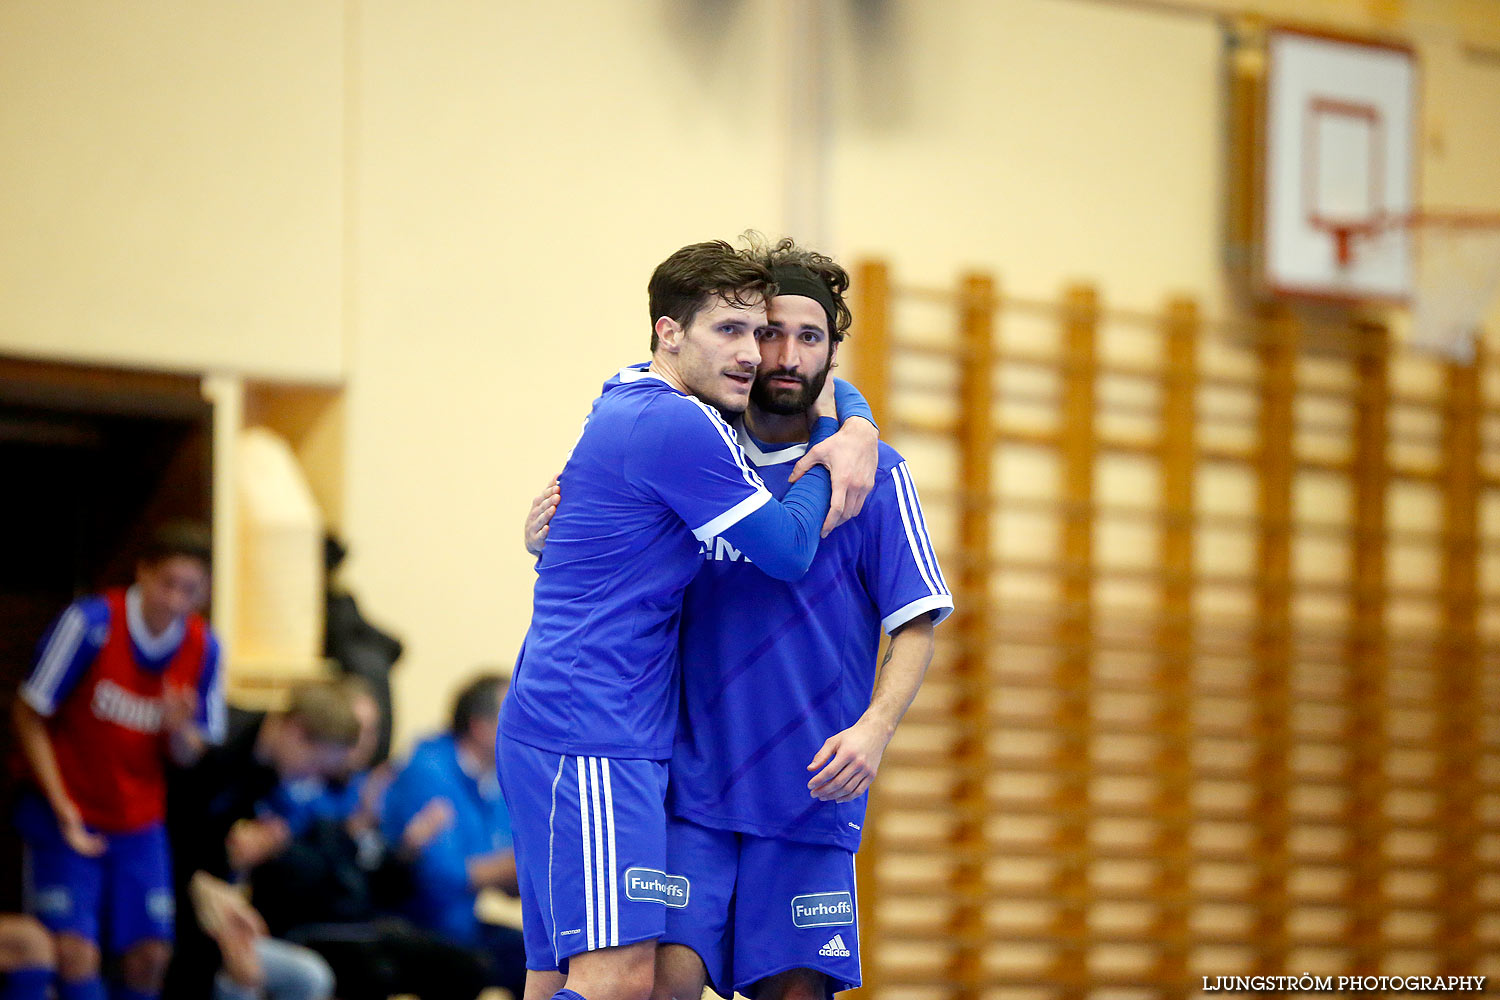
column 154, row 647
column 640, row 372
column 768, row 454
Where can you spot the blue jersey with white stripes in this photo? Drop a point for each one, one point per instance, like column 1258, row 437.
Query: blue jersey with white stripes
column 771, row 669
column 654, row 473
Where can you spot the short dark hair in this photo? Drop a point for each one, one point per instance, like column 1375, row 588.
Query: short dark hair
column 179, row 537
column 688, row 280
column 479, row 699
column 786, row 253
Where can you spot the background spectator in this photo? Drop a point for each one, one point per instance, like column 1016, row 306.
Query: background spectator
column 472, row 852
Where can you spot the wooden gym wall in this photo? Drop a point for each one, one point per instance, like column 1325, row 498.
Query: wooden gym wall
column 1219, row 698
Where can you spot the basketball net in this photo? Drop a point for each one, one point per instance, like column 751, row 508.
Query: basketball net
column 1455, row 278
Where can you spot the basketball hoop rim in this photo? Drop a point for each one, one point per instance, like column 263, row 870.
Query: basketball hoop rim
column 1346, row 232
column 1435, row 218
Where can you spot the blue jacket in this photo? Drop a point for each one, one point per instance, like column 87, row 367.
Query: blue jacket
column 444, row 899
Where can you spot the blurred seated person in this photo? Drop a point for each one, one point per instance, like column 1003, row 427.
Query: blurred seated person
column 214, row 821
column 26, row 958
column 337, row 886
column 472, row 852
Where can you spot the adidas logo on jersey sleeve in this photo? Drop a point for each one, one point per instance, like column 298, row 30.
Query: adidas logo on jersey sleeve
column 835, row 948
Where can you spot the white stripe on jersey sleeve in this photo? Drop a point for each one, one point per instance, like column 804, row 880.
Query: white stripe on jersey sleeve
column 905, row 487
column 942, row 604
column 216, row 714
column 40, row 688
column 733, row 515
column 727, row 433
column 912, row 528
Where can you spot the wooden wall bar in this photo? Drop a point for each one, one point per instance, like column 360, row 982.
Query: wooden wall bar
column 971, row 666
column 871, row 372
column 1073, row 674
column 1220, row 696
column 1459, row 665
column 1367, row 733
column 1271, row 692
column 1174, row 638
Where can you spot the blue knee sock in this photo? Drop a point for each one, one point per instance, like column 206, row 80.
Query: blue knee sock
column 119, row 991
column 25, row 984
column 568, row 995
column 91, row 988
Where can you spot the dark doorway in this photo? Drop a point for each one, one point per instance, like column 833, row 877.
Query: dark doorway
column 90, row 459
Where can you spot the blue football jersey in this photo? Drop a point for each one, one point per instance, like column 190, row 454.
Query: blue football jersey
column 771, row 669
column 654, row 473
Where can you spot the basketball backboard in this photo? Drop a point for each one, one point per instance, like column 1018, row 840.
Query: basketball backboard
column 1339, row 167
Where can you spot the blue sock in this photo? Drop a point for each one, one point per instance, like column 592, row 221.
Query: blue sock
column 26, row 984
column 568, row 995
column 91, row 988
column 119, row 991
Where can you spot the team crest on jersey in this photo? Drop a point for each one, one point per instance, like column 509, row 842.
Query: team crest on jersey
column 718, row 549
column 113, row 703
column 823, row 909
column 647, row 885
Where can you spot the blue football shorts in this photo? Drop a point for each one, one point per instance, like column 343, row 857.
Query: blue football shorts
column 759, row 906
column 126, row 892
column 590, row 842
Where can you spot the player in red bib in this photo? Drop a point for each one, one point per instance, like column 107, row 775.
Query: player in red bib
column 123, row 681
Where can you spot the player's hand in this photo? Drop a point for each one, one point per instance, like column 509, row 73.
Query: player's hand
column 232, row 922
column 78, row 836
column 848, row 762
column 539, row 520
column 179, row 708
column 431, row 820
column 824, row 406
column 254, row 841
column 852, row 456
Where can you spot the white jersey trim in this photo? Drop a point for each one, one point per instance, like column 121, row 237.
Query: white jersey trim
column 760, row 458
column 940, row 604
column 916, row 530
column 631, row 373
column 733, row 515
column 37, row 702
column 551, row 846
column 752, row 479
column 155, row 647
column 588, row 858
column 216, row 714
column 602, row 908
column 40, row 690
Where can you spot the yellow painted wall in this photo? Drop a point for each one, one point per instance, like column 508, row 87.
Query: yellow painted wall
column 521, row 169
column 170, row 184
column 453, row 207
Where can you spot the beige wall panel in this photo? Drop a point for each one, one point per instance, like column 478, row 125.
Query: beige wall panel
column 1049, row 142
column 172, row 190
column 521, row 169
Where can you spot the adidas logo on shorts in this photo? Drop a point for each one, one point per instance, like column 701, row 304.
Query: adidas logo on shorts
column 835, row 948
